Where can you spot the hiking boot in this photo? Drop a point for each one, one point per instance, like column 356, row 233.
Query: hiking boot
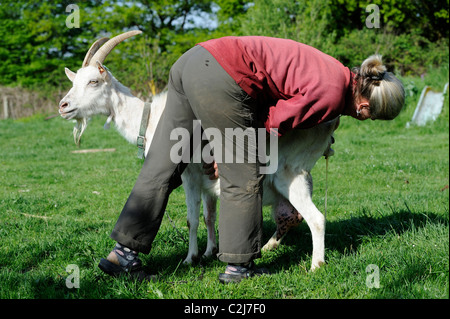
column 124, row 261
column 237, row 272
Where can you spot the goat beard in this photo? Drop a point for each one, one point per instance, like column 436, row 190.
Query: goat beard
column 78, row 130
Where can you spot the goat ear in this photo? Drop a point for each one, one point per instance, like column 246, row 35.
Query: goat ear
column 102, row 70
column 70, row 74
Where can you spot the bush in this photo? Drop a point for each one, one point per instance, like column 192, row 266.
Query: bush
column 35, row 48
column 406, row 54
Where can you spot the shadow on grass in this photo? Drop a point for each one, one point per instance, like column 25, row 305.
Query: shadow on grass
column 345, row 236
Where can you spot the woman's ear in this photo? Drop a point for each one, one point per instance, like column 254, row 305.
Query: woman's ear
column 363, row 103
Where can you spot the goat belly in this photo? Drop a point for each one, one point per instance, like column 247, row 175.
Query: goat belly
column 286, row 217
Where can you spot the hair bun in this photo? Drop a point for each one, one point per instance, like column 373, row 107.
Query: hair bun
column 373, row 68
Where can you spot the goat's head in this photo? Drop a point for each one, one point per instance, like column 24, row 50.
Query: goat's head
column 92, row 84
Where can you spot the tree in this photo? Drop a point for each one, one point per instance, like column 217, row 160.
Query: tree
column 37, row 43
column 304, row 21
column 406, row 36
column 35, row 40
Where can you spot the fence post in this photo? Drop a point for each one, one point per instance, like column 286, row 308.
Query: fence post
column 5, row 107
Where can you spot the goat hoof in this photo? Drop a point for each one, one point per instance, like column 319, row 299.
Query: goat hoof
column 272, row 244
column 319, row 264
column 206, row 257
column 187, row 261
column 209, row 255
column 269, row 247
column 191, row 260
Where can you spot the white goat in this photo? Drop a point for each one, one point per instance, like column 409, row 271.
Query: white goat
column 288, row 190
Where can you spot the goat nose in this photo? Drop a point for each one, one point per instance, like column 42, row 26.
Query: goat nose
column 63, row 105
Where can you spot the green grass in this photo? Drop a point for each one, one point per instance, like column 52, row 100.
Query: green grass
column 388, row 206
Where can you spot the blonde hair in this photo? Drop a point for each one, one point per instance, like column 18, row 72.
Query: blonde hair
column 382, row 89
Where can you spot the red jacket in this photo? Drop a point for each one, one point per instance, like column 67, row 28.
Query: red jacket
column 300, row 85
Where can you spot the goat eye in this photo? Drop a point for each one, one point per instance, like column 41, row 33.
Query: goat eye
column 93, row 82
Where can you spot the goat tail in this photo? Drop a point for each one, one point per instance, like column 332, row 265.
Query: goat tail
column 78, row 130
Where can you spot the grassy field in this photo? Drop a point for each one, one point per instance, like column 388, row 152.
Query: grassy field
column 387, row 222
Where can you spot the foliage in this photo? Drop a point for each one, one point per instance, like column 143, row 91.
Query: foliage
column 339, row 29
column 293, row 20
column 36, row 43
column 404, row 53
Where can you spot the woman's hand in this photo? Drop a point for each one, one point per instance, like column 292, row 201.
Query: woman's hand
column 211, row 170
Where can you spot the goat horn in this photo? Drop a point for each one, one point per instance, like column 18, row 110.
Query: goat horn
column 106, row 48
column 94, row 48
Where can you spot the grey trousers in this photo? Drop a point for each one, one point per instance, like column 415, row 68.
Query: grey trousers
column 199, row 89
